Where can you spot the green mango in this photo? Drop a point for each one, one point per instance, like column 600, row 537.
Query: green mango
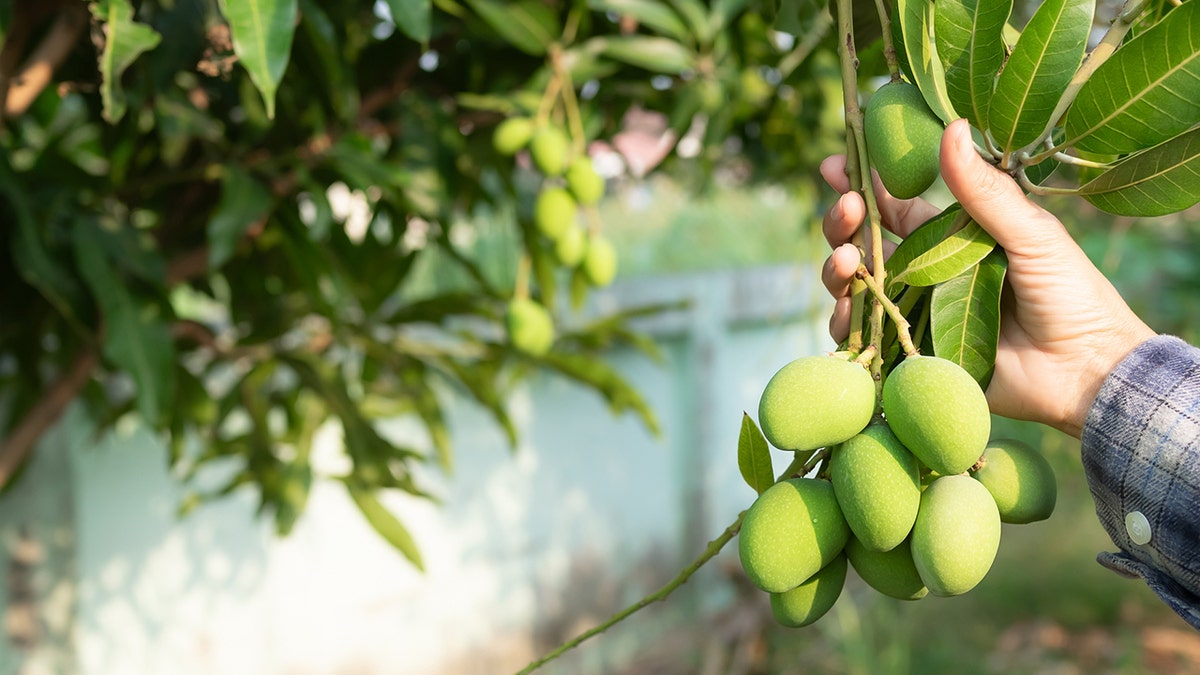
column 584, row 182
column 600, row 261
column 512, row 135
column 554, row 211
column 956, row 536
column 892, row 573
column 570, row 246
column 530, row 326
column 1020, row 480
column 877, row 485
column 550, row 148
column 792, row 530
column 804, row 604
column 938, row 412
column 903, row 139
column 816, row 401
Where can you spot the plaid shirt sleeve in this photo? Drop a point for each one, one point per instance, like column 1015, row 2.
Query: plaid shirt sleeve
column 1141, row 454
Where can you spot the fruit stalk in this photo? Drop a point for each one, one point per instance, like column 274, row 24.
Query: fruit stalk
column 570, row 103
column 882, row 301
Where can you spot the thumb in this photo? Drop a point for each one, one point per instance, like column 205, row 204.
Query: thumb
column 993, row 198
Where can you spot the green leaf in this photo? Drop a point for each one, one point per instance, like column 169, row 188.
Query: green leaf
column 656, row 54
column 262, row 33
column 965, row 317
column 1043, row 62
column 1145, row 93
column 696, row 15
column 413, row 17
column 243, row 202
column 386, row 524
column 926, row 236
column 529, row 25
column 754, row 456
column 124, row 41
column 621, row 396
column 136, row 335
column 949, row 257
column 654, row 14
column 1161, row 180
column 798, row 17
column 970, row 42
column 916, row 28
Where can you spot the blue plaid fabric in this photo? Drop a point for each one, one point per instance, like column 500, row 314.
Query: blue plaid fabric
column 1141, row 454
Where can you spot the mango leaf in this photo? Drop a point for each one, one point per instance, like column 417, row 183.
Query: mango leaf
column 621, row 396
column 696, row 14
column 528, row 25
column 124, row 41
column 32, row 259
column 921, row 240
column 136, row 335
column 262, row 33
column 949, row 257
column 1043, row 62
column 916, row 29
column 653, row 14
column 1161, row 180
column 797, row 17
column 243, row 202
column 413, row 17
column 1145, row 92
column 386, row 524
column 965, row 317
column 754, row 456
column 970, row 42
column 656, row 54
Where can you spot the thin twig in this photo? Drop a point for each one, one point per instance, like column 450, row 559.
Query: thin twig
column 888, row 306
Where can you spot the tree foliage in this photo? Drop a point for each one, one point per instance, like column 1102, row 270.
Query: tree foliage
column 241, row 220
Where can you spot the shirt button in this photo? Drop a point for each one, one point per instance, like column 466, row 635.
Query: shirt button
column 1138, row 527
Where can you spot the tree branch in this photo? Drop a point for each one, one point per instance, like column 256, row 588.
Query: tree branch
column 39, row 68
column 17, row 446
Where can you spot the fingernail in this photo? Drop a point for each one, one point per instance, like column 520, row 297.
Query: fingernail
column 966, row 148
column 836, row 212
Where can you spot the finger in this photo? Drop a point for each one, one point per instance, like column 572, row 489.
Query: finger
column 839, row 321
column 833, row 170
column 843, row 219
column 901, row 216
column 994, row 199
column 839, row 269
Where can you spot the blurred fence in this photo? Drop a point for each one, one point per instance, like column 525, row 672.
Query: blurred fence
column 529, row 546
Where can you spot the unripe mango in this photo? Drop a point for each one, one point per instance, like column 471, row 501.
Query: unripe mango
column 791, row 531
column 530, row 327
column 892, row 573
column 903, row 139
column 512, row 135
column 549, row 148
column 877, row 485
column 938, row 412
column 956, row 536
column 584, row 182
column 1020, row 480
column 816, row 401
column 554, row 211
column 810, row 600
column 570, row 246
column 600, row 261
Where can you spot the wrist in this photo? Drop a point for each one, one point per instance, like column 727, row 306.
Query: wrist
column 1096, row 369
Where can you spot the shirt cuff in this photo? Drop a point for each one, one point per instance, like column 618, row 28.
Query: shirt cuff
column 1141, row 455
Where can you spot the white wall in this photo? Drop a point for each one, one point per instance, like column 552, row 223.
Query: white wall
column 587, row 515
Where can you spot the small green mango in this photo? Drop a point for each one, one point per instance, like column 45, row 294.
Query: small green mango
column 1019, row 479
column 530, row 327
column 512, row 135
column 549, row 147
column 816, row 401
column 554, row 211
column 600, row 261
column 791, row 531
column 877, row 485
column 804, row 604
column 570, row 246
column 938, row 412
column 903, row 139
column 956, row 536
column 584, row 182
column 892, row 573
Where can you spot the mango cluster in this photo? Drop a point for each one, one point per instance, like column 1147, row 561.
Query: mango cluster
column 569, row 182
column 912, row 500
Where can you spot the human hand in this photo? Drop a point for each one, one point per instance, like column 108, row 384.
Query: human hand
column 1063, row 326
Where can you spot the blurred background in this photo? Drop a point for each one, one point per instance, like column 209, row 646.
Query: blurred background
column 260, row 412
